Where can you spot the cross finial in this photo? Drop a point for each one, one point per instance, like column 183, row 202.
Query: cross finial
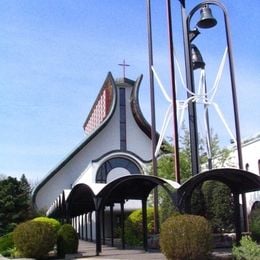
column 124, row 65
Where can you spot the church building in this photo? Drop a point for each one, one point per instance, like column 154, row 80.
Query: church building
column 107, row 175
column 109, row 169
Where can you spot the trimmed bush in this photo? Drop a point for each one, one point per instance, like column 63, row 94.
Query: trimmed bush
column 52, row 221
column 218, row 206
column 248, row 249
column 34, row 239
column 134, row 227
column 6, row 244
column 254, row 224
column 67, row 241
column 186, row 237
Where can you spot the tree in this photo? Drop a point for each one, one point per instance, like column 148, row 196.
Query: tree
column 166, row 165
column 212, row 199
column 219, row 205
column 166, row 170
column 15, row 203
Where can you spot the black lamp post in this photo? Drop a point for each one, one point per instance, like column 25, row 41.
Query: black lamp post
column 208, row 21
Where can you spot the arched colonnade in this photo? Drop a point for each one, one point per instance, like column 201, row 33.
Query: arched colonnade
column 85, row 204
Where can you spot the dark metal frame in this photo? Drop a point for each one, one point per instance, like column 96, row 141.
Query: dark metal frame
column 239, row 182
column 174, row 98
column 153, row 120
column 139, row 187
column 190, row 84
column 118, row 191
column 190, row 79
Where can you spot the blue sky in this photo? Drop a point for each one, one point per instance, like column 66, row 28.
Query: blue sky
column 55, row 55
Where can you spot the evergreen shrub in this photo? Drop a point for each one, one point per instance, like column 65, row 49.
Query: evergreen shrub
column 51, row 221
column 219, row 204
column 134, row 227
column 254, row 224
column 186, row 237
column 67, row 241
column 34, row 239
column 248, row 249
column 6, row 244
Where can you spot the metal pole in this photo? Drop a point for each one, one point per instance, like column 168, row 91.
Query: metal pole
column 91, row 228
column 103, row 226
column 190, row 85
column 153, row 122
column 236, row 115
column 112, row 224
column 144, row 220
column 98, row 233
column 86, row 226
column 122, row 224
column 174, row 106
column 237, row 217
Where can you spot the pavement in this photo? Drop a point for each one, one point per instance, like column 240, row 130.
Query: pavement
column 87, row 250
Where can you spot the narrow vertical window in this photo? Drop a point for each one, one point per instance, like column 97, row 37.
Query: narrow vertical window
column 122, row 119
column 259, row 166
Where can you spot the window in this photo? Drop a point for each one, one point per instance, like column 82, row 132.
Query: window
column 259, row 166
column 122, row 119
column 118, row 162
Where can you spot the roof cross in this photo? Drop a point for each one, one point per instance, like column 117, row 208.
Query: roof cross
column 124, row 65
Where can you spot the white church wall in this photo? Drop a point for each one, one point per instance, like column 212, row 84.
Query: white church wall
column 88, row 175
column 137, row 140
column 251, row 157
column 81, row 169
column 105, row 141
column 250, row 154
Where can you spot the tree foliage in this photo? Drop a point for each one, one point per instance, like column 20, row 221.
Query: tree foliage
column 134, row 226
column 248, row 249
column 15, row 203
column 254, row 224
column 219, row 206
column 211, row 199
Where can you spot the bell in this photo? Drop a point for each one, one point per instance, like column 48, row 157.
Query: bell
column 206, row 18
column 196, row 58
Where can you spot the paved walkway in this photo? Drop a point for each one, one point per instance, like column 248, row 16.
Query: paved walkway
column 87, row 250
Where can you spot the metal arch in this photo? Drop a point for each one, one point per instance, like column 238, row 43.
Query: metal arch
column 88, row 196
column 111, row 187
column 239, row 181
column 99, row 200
column 104, row 198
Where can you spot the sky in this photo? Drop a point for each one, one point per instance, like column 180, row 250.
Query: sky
column 55, row 55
